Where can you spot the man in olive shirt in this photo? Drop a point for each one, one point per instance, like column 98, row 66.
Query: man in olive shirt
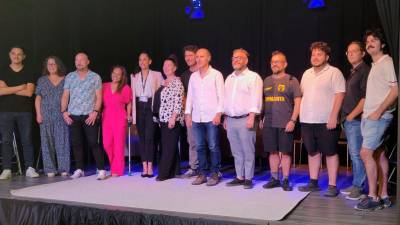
column 16, row 104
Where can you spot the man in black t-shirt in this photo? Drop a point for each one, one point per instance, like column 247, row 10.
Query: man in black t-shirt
column 190, row 58
column 16, row 104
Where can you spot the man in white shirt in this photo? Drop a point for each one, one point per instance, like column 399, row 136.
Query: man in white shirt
column 242, row 101
column 382, row 92
column 204, row 107
column 323, row 88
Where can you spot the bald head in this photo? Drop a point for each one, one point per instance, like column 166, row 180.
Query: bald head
column 203, row 58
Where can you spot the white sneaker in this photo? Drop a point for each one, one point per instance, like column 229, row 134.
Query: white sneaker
column 101, row 175
column 51, row 174
column 31, row 172
column 5, row 175
column 64, row 174
column 77, row 173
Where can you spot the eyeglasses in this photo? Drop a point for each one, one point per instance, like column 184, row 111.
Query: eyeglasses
column 237, row 58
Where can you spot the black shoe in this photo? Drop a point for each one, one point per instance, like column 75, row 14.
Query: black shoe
column 286, row 185
column 161, row 178
column 332, row 191
column 310, row 187
column 272, row 183
column 248, row 184
column 150, row 175
column 143, row 175
column 369, row 204
column 235, row 182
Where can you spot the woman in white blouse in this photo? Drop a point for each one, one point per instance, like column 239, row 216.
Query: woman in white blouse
column 145, row 84
column 168, row 109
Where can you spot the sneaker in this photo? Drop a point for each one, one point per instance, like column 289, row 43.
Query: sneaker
column 51, row 174
column 355, row 194
column 190, row 173
column 5, row 175
column 200, row 179
column 368, row 204
column 386, row 203
column 235, row 182
column 77, row 173
column 286, row 185
column 272, row 183
column 101, row 175
column 347, row 190
column 332, row 191
column 214, row 179
column 248, row 184
column 64, row 174
column 31, row 172
column 310, row 187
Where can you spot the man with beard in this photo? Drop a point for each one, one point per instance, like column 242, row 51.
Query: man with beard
column 282, row 97
column 323, row 88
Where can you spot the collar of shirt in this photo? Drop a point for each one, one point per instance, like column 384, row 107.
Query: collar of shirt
column 244, row 72
column 322, row 71
column 380, row 60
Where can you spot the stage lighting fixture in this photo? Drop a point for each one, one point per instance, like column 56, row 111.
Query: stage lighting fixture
column 195, row 10
column 315, row 4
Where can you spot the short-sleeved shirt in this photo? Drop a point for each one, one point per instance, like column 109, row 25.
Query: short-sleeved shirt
column 356, row 87
column 51, row 98
column 279, row 95
column 82, row 93
column 185, row 77
column 380, row 80
column 16, row 103
column 319, row 90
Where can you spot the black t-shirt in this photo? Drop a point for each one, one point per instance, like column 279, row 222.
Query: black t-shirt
column 13, row 102
column 185, row 77
column 356, row 87
column 279, row 95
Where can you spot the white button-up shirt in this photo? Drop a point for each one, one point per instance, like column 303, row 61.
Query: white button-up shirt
column 243, row 93
column 205, row 96
column 319, row 91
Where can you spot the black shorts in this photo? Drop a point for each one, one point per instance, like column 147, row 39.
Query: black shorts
column 276, row 139
column 317, row 138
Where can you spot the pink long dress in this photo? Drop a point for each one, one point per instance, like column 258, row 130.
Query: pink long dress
column 114, row 125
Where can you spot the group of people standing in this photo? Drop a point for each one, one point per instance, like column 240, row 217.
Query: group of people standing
column 68, row 108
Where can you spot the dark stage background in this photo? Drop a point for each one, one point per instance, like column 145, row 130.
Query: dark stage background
column 114, row 32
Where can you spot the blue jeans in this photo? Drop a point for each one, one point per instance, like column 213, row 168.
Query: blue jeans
column 354, row 141
column 209, row 132
column 23, row 122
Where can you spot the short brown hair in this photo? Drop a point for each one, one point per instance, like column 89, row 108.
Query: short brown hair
column 190, row 48
column 276, row 52
column 360, row 45
column 241, row 50
column 323, row 46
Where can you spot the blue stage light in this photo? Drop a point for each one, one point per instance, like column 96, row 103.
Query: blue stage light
column 195, row 10
column 315, row 4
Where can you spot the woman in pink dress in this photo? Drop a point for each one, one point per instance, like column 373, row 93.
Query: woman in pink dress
column 117, row 103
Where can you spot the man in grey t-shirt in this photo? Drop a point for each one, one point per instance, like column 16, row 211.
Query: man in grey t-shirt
column 282, row 97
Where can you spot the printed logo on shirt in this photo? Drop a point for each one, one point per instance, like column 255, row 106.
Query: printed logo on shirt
column 274, row 99
column 281, row 88
column 267, row 88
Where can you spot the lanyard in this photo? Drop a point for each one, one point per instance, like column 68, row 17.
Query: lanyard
column 144, row 83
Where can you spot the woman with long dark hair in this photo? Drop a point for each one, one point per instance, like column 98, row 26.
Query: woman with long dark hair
column 117, row 107
column 53, row 130
column 145, row 84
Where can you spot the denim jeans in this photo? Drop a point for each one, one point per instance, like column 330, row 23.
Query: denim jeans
column 23, row 120
column 209, row 132
column 354, row 141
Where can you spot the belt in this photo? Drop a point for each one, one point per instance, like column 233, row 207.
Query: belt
column 238, row 117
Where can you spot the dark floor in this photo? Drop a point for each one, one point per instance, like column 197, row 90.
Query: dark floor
column 315, row 209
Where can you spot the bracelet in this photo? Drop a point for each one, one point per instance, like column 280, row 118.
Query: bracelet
column 294, row 121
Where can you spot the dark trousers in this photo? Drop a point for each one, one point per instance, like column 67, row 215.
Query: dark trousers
column 146, row 128
column 169, row 162
column 23, row 120
column 78, row 129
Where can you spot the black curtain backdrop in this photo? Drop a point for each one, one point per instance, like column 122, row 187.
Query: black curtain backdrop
column 114, row 32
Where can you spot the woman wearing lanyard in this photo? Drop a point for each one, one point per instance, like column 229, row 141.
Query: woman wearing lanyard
column 168, row 111
column 145, row 84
